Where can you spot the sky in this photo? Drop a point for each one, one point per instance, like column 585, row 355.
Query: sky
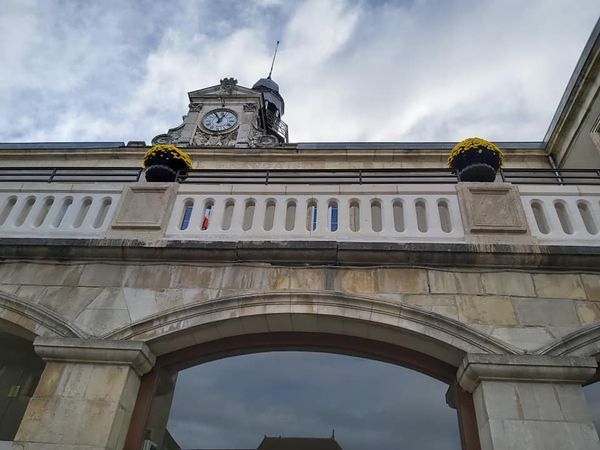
column 349, row 70
column 234, row 402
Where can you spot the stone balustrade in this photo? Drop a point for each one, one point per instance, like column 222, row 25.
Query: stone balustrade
column 57, row 210
column 436, row 213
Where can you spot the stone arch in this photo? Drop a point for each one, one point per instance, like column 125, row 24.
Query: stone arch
column 28, row 320
column 332, row 313
column 314, row 321
column 582, row 342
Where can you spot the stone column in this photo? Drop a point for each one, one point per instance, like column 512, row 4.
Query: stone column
column 526, row 402
column 85, row 396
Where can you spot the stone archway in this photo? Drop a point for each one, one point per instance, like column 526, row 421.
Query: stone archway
column 329, row 322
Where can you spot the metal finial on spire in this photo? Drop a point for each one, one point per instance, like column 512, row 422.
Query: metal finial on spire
column 273, row 63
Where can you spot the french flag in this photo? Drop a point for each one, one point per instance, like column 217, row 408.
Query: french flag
column 207, row 212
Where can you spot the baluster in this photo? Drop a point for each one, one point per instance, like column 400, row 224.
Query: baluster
column 15, row 211
column 258, row 222
column 434, row 224
column 34, row 211
column 279, row 216
column 343, row 216
column 579, row 228
column 72, row 211
column 92, row 213
column 387, row 216
column 237, row 217
column 216, row 215
column 552, row 217
column 322, row 212
column 410, row 216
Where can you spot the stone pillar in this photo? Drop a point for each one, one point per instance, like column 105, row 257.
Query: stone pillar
column 526, row 402
column 85, row 396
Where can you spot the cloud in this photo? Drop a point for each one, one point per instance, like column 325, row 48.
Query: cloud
column 232, row 403
column 348, row 69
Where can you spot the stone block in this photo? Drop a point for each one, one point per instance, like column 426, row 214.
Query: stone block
column 68, row 301
column 102, row 274
column 543, row 435
column 527, row 338
column 152, row 276
column 109, row 298
column 591, row 284
column 250, row 279
column 556, row 285
column 409, row 281
column 545, row 312
column 489, row 209
column 450, row 282
column 192, row 276
column 145, row 206
column 50, row 274
column 508, row 283
column 356, row 281
column 588, row 312
column 307, row 279
column 140, row 303
column 98, row 322
column 492, row 310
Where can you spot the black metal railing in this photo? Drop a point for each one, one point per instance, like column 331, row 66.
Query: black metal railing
column 71, row 174
column 277, row 126
column 293, row 176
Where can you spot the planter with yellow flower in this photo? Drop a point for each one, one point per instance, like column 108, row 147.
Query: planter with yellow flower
column 164, row 162
column 475, row 159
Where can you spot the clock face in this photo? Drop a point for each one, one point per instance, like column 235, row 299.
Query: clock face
column 219, row 120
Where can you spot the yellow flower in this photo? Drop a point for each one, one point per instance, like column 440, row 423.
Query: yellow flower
column 472, row 144
column 167, row 151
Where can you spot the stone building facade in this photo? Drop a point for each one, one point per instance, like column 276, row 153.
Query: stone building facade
column 491, row 288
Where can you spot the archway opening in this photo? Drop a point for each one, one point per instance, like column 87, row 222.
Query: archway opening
column 20, row 371
column 149, row 421
column 235, row 402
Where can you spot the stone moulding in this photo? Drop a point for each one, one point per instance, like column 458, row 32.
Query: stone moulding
column 51, row 323
column 582, row 342
column 538, row 368
column 431, row 333
column 95, row 351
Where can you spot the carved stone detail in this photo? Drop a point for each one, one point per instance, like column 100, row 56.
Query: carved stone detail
column 202, row 138
column 195, row 107
column 249, row 107
column 258, row 138
column 227, row 86
column 170, row 137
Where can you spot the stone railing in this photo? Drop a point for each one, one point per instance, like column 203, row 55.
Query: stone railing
column 57, row 210
column 437, row 213
column 567, row 215
column 331, row 212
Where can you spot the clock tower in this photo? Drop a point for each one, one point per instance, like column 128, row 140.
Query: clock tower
column 229, row 115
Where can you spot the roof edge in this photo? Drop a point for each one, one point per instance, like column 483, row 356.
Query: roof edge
column 592, row 41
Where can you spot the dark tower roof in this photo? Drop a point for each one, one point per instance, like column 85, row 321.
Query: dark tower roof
column 295, row 443
column 270, row 91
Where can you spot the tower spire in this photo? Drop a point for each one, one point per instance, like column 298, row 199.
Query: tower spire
column 273, row 62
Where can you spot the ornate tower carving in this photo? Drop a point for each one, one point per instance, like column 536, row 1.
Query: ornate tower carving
column 229, row 115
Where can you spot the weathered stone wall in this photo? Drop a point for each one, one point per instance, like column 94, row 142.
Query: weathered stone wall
column 525, row 310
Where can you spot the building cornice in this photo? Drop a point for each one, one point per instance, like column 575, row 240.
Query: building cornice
column 576, row 102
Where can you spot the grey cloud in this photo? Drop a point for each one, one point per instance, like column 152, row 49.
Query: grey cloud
column 349, row 70
column 370, row 404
